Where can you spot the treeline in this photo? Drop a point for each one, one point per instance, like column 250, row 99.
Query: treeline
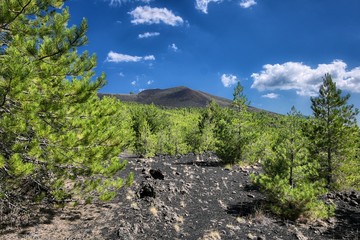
column 235, row 134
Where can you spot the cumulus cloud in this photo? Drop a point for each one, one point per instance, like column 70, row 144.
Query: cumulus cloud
column 228, row 80
column 173, row 47
column 304, row 79
column 202, row 5
column 247, row 3
column 270, row 95
column 149, row 15
column 119, row 57
column 149, row 82
column 148, row 34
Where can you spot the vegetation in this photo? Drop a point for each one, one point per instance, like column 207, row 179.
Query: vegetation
column 333, row 130
column 59, row 141
column 289, row 174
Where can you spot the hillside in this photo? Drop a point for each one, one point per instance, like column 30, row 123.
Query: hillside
column 174, row 98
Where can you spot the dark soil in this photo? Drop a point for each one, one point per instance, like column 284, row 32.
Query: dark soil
column 186, row 198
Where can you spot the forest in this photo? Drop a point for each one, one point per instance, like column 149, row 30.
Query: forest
column 59, row 142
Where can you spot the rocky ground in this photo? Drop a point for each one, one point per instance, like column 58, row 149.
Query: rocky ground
column 186, row 198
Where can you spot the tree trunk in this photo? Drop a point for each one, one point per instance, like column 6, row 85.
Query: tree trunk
column 329, row 168
column 291, row 179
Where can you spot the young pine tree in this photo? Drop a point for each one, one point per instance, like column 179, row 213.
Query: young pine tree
column 334, row 129
column 57, row 139
column 240, row 100
column 205, row 136
column 234, row 130
column 289, row 173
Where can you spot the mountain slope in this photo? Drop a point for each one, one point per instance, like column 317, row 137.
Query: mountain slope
column 174, row 98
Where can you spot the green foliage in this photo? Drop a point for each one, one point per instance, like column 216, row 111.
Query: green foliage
column 288, row 178
column 204, row 138
column 347, row 173
column 239, row 98
column 147, row 121
column 235, row 130
column 294, row 202
column 174, row 136
column 54, row 131
column 333, row 130
column 264, row 130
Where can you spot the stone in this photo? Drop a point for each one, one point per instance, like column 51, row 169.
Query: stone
column 353, row 195
column 147, row 191
column 251, row 236
column 353, row 203
column 331, row 195
column 156, row 174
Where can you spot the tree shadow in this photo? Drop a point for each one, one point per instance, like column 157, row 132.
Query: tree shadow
column 32, row 216
column 347, row 226
column 251, row 187
column 245, row 208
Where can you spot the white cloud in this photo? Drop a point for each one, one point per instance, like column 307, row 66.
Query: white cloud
column 149, row 82
column 173, row 47
column 149, row 34
column 148, row 15
column 228, row 80
column 133, row 83
column 270, row 95
column 121, row 74
column 202, row 5
column 119, row 57
column 247, row 3
column 149, row 58
column 304, row 79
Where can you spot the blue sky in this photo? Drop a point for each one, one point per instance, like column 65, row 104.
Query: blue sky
column 278, row 49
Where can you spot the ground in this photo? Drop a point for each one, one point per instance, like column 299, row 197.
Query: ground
column 187, row 197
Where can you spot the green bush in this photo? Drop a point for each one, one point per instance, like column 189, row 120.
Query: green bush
column 292, row 203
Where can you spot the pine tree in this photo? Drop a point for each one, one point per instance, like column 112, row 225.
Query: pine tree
column 58, row 140
column 234, row 130
column 202, row 137
column 240, row 100
column 334, row 127
column 289, row 173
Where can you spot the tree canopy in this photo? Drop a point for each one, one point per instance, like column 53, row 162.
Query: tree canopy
column 333, row 130
column 58, row 140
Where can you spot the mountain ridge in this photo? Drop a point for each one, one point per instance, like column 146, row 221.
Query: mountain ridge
column 175, row 97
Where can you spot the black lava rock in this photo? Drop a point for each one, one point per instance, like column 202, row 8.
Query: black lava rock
column 147, row 191
column 156, row 174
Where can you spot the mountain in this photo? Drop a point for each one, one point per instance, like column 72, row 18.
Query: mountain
column 174, row 98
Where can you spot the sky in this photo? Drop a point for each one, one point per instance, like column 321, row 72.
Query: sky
column 279, row 50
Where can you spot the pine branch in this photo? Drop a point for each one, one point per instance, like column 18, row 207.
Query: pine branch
column 4, row 27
